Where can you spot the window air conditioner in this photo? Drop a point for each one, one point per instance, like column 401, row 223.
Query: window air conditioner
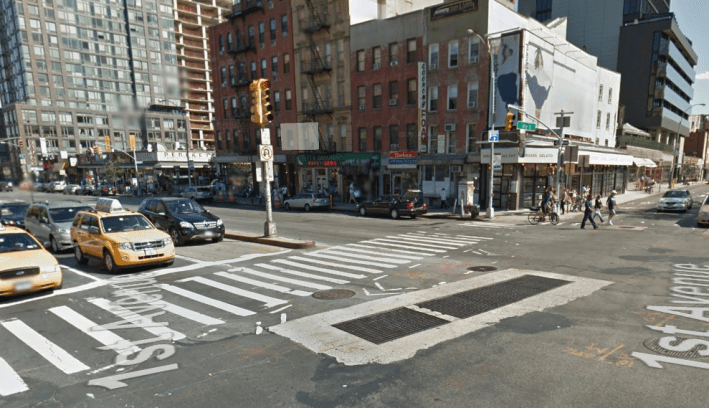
column 393, row 63
column 433, row 66
column 450, row 127
column 393, row 102
column 472, row 104
column 474, row 60
column 362, row 107
column 394, row 147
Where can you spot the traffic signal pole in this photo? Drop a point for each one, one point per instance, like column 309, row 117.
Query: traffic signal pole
column 261, row 114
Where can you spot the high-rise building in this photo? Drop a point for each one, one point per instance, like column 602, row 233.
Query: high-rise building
column 76, row 74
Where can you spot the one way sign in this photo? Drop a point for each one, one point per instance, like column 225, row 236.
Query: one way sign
column 493, row 136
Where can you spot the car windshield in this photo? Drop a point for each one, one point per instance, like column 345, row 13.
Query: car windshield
column 184, row 207
column 66, row 214
column 320, row 196
column 125, row 223
column 204, row 189
column 19, row 209
column 675, row 194
column 17, row 242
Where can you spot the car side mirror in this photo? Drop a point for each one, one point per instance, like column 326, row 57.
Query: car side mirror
column 44, row 220
column 93, row 230
column 161, row 213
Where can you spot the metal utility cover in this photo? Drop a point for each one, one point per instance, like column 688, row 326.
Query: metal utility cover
column 383, row 327
column 473, row 302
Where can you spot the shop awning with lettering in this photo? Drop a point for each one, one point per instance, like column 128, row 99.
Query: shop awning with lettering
column 441, row 159
column 607, row 159
column 643, row 162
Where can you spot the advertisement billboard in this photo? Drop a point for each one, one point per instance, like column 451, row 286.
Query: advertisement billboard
column 506, row 61
column 422, row 103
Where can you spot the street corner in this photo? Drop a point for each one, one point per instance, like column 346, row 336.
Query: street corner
column 278, row 241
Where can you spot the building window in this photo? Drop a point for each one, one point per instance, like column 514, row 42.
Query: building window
column 340, row 94
column 598, row 120
column 472, row 94
column 600, row 93
column 393, row 54
column 411, row 88
column 472, row 137
column 277, row 101
column 610, row 95
column 473, row 50
column 377, row 96
column 286, row 63
column 226, row 108
column 340, row 53
column 221, row 44
column 433, row 99
column 232, row 75
column 284, row 25
column 360, row 61
column 376, row 57
column 608, row 121
column 544, row 10
column 274, row 68
column 452, row 97
column 264, row 68
column 377, row 138
column 433, row 56
column 451, row 139
column 254, row 72
column 394, row 91
column 393, row 137
column 453, row 54
column 328, row 55
column 223, row 72
column 233, row 107
column 288, row 99
column 362, row 136
column 261, row 34
column 272, row 23
column 432, row 138
column 412, row 141
column 278, row 137
column 252, row 43
column 343, row 135
column 410, row 50
column 247, row 140
column 229, row 41
column 361, row 96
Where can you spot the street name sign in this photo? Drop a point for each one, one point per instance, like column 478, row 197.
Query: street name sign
column 526, row 126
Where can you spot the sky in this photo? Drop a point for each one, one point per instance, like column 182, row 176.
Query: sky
column 693, row 19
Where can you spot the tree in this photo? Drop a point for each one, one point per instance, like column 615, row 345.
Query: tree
column 111, row 170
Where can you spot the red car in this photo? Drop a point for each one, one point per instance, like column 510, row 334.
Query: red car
column 104, row 190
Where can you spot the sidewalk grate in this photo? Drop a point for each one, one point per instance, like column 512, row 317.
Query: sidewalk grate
column 394, row 324
column 476, row 301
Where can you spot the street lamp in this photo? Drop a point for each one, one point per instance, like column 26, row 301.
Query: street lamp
column 675, row 154
column 490, row 212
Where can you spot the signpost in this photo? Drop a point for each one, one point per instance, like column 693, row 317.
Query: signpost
column 526, row 126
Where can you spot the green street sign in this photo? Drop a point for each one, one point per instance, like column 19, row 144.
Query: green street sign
column 526, row 126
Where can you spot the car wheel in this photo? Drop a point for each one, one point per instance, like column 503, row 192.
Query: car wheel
column 169, row 263
column 287, row 207
column 108, row 262
column 79, row 255
column 307, row 207
column 59, row 286
column 394, row 214
column 53, row 243
column 362, row 211
column 175, row 235
column 413, row 217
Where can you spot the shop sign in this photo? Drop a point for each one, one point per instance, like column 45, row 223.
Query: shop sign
column 403, row 159
column 531, row 155
column 453, row 8
column 422, row 104
column 341, row 159
column 609, row 159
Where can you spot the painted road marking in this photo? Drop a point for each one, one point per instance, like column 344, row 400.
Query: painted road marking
column 337, row 258
column 187, row 313
column 130, row 316
column 390, row 242
column 45, row 348
column 275, row 278
column 421, row 242
column 267, row 300
column 368, row 258
column 470, row 236
column 326, row 263
column 105, row 337
column 304, row 274
column 435, row 239
column 472, row 240
column 10, row 382
column 317, row 333
column 414, row 244
column 344, row 248
column 80, row 273
column 398, row 251
column 207, row 301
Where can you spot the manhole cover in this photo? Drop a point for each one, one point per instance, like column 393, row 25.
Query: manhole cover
column 693, row 353
column 333, row 294
column 482, row 268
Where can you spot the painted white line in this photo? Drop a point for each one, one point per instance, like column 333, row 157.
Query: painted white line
column 187, row 258
column 187, row 313
column 379, row 285
column 446, row 256
column 269, row 301
column 391, row 243
column 80, row 273
column 45, row 348
column 303, row 274
column 338, row 258
column 130, row 316
column 347, row 256
column 10, row 382
column 345, row 274
column 276, row 278
column 413, row 266
column 207, row 301
column 434, row 240
column 283, row 308
column 419, row 242
column 375, row 253
column 482, row 250
column 467, row 250
column 105, row 337
column 476, row 252
column 471, row 236
column 366, row 292
column 398, row 251
column 383, row 276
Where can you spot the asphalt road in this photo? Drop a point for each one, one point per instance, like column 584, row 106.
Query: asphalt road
column 235, row 324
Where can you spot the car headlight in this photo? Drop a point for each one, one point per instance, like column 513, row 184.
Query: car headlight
column 125, row 246
column 8, row 222
column 50, row 268
column 63, row 231
column 704, row 214
column 167, row 241
column 185, row 224
column 220, row 222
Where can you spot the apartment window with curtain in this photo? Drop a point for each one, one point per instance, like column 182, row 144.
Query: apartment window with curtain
column 451, row 136
column 377, row 96
column 433, row 99
column 362, row 138
column 394, row 91
column 252, row 42
column 393, row 137
column 264, row 68
column 432, row 139
column 273, row 30
column 274, row 68
column 472, row 137
column 261, row 34
column 229, row 41
column 411, row 88
column 393, row 54
column 223, row 73
column 376, row 57
column 277, row 101
column 433, row 56
column 221, row 44
column 254, row 73
column 284, row 25
column 472, row 95
column 412, row 142
column 233, row 107
column 279, row 141
column 232, row 75
column 377, row 138
column 410, row 50
column 453, row 54
column 452, row 97
column 343, row 135
column 286, row 63
column 473, row 50
column 225, row 105
column 288, row 99
column 360, row 61
column 361, row 97
column 328, row 55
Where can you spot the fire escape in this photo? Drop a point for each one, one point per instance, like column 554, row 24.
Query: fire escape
column 315, row 66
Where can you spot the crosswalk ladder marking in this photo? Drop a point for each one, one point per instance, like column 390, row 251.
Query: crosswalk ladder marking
column 253, row 282
column 130, row 316
column 392, row 243
column 207, row 301
column 277, row 278
column 269, row 301
column 304, row 274
column 10, row 382
column 326, row 263
column 105, row 337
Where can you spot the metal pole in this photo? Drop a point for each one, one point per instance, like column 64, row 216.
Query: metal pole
column 490, row 213
column 189, row 172
column 269, row 228
column 559, row 163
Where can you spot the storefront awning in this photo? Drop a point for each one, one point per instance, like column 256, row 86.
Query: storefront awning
column 441, row 159
column 643, row 162
column 607, row 159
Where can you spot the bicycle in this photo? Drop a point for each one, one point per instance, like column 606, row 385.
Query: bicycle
column 536, row 216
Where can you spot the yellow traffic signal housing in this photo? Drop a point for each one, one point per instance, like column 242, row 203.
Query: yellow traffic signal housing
column 131, row 140
column 256, row 113
column 97, row 149
column 20, row 143
column 266, row 108
column 508, row 121
column 107, row 142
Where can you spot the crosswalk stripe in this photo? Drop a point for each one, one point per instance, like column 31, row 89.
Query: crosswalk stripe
column 105, row 337
column 336, row 265
column 459, row 238
column 265, row 285
column 470, row 236
column 269, row 301
column 10, row 382
column 315, row 268
column 399, row 251
column 302, row 274
column 50, row 351
column 280, row 279
column 368, row 258
column 390, row 242
column 187, row 313
column 435, row 239
column 130, row 316
column 347, row 248
column 417, row 242
column 337, row 258
column 207, row 301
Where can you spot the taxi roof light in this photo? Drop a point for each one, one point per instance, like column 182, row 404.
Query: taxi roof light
column 109, row 205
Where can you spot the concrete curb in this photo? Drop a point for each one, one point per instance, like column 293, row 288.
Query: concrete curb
column 274, row 241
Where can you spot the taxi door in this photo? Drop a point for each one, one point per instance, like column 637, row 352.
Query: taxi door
column 83, row 236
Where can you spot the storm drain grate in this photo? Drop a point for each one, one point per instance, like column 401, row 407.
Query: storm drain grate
column 482, row 268
column 383, row 327
column 476, row 301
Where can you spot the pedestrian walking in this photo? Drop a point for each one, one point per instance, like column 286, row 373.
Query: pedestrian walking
column 597, row 207
column 563, row 199
column 443, row 198
column 612, row 206
column 588, row 213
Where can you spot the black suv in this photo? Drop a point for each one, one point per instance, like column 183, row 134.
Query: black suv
column 184, row 219
column 13, row 213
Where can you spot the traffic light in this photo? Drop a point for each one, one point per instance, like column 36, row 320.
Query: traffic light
column 131, row 140
column 20, row 143
column 107, row 141
column 508, row 121
column 97, row 149
column 256, row 114
column 266, row 108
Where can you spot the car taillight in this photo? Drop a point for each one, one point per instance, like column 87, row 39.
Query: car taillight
column 409, row 206
column 315, row 201
column 425, row 207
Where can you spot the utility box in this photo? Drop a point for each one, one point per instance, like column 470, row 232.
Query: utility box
column 466, row 198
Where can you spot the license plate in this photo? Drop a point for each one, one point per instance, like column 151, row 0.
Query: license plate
column 209, row 234
column 151, row 252
column 23, row 286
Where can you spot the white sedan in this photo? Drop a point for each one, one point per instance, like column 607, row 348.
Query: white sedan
column 307, row 201
column 71, row 189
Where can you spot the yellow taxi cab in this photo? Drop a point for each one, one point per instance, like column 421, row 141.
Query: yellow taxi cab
column 25, row 266
column 119, row 237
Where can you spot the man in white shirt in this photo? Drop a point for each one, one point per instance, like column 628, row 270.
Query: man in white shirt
column 443, row 198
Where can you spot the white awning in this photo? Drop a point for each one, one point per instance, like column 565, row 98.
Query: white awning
column 643, row 162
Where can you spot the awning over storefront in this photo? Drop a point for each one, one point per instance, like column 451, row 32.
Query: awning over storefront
column 539, row 155
column 607, row 159
column 632, row 130
column 441, row 159
column 643, row 162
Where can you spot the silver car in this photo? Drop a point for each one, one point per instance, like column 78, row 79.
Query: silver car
column 307, row 201
column 72, row 189
column 50, row 222
column 198, row 193
column 675, row 200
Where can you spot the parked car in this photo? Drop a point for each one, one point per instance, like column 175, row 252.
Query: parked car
column 56, row 186
column 104, row 189
column 307, row 201
column 408, row 204
column 87, row 190
column 13, row 213
column 198, row 193
column 72, row 189
column 703, row 215
column 183, row 219
column 49, row 222
column 5, row 185
column 675, row 200
column 38, row 186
